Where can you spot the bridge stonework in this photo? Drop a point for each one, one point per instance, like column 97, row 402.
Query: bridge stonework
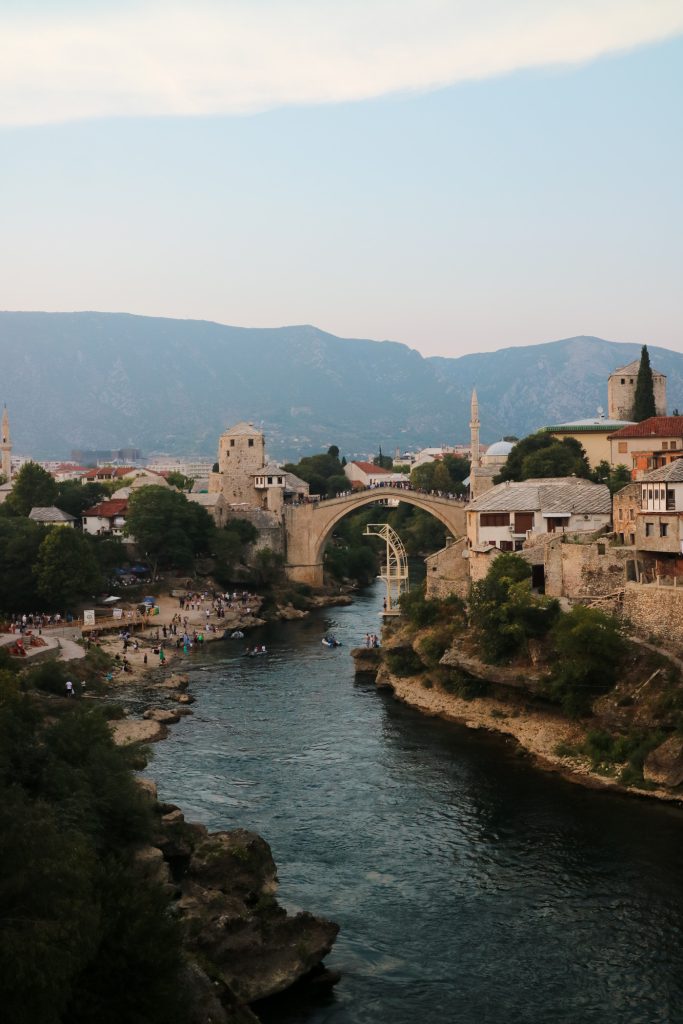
column 308, row 527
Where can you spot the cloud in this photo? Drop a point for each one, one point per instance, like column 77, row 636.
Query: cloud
column 243, row 56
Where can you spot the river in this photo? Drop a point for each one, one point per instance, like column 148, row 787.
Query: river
column 469, row 886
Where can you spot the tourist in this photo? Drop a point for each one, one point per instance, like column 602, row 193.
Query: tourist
column 69, row 688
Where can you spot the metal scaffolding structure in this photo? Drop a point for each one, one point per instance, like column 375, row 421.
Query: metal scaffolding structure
column 395, row 569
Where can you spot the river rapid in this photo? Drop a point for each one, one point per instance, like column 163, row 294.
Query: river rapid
column 469, row 886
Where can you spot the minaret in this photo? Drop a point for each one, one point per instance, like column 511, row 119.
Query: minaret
column 474, row 429
column 5, row 447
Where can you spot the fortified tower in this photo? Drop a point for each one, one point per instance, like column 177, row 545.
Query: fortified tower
column 621, row 391
column 241, row 454
column 5, row 447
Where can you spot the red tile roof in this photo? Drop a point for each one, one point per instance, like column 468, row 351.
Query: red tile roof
column 655, row 426
column 370, row 467
column 108, row 509
column 110, row 472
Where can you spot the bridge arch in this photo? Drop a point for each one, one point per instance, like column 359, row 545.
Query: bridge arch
column 309, row 527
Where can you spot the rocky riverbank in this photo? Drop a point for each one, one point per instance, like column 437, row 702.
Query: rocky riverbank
column 241, row 945
column 506, row 705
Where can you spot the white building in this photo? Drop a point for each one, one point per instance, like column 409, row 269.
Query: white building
column 367, row 474
column 504, row 516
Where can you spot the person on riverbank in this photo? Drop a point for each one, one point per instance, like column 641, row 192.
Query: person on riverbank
column 162, row 656
column 69, row 688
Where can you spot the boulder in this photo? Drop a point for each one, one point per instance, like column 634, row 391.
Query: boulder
column 237, row 861
column 176, row 681
column 664, row 764
column 161, row 715
column 126, row 731
column 183, row 698
column 148, row 786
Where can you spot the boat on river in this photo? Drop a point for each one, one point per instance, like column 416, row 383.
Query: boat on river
column 237, row 635
column 331, row 641
column 255, row 652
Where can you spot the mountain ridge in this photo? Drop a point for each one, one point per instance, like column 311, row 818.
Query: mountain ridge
column 103, row 380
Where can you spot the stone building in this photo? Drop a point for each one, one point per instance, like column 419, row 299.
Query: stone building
column 621, row 391
column 244, row 476
column 659, row 523
column 625, row 508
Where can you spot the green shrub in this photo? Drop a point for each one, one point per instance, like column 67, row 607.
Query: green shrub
column 434, row 646
column 49, row 677
column 589, row 649
column 460, row 684
column 422, row 611
column 403, row 661
column 505, row 612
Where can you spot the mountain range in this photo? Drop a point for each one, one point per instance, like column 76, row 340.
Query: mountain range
column 108, row 380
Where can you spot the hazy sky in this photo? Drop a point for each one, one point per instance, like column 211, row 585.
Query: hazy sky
column 459, row 175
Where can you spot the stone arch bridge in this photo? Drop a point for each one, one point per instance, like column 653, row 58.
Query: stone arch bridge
column 308, row 527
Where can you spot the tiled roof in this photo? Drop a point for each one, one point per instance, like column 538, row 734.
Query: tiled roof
column 50, row 514
column 270, row 469
column 242, row 428
column 108, row 509
column 554, row 495
column 632, row 368
column 673, row 472
column 654, row 426
column 111, row 472
column 370, row 467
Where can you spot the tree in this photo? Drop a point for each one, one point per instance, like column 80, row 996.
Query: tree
column 74, row 497
column 167, row 528
column 33, row 487
column 542, row 455
column 179, row 480
column 317, row 470
column 504, row 610
column 644, row 401
column 333, row 451
column 589, row 647
column 615, row 477
column 20, row 540
column 385, row 461
column 66, row 569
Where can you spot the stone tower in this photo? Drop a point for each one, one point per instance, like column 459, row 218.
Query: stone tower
column 5, row 447
column 474, row 430
column 621, row 391
column 241, row 453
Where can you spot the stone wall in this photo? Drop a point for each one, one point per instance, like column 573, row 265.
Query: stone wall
column 655, row 611
column 448, row 571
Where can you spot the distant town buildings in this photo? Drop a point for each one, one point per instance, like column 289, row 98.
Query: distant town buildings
column 367, row 474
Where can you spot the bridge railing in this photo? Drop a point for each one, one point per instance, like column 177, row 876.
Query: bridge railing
column 392, row 490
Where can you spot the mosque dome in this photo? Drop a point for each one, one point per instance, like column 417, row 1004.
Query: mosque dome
column 500, row 448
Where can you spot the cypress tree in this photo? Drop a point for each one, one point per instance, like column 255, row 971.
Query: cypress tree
column 644, row 402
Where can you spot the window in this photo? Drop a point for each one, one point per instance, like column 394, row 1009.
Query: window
column 270, row 479
column 649, row 529
column 623, row 380
column 523, row 521
column 250, row 442
column 670, row 500
column 232, row 442
column 663, row 529
column 649, row 494
column 623, row 446
column 665, row 445
column 601, row 549
column 506, row 545
column 674, row 444
column 494, row 519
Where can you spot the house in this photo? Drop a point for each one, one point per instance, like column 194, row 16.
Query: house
column 51, row 516
column 103, row 474
column 367, row 474
column 68, row 471
column 647, row 445
column 507, row 514
column 625, row 508
column 593, row 435
column 106, row 517
column 659, row 522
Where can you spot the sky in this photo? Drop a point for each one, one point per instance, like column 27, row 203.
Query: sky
column 458, row 175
